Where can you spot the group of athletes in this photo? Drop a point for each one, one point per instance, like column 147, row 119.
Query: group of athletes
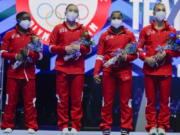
column 157, row 71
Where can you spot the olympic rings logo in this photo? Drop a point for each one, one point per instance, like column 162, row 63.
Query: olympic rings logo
column 56, row 11
column 46, row 14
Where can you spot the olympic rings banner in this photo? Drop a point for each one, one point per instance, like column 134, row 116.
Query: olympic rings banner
column 48, row 13
column 94, row 15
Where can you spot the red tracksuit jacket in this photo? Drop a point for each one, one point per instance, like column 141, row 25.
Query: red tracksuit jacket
column 12, row 42
column 61, row 37
column 150, row 39
column 109, row 42
column 177, row 54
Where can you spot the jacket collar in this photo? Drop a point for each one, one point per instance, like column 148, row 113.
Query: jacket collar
column 124, row 30
column 79, row 26
column 165, row 28
column 28, row 33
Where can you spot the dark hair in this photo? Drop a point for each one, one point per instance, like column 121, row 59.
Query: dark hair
column 157, row 4
column 116, row 12
column 20, row 14
column 71, row 4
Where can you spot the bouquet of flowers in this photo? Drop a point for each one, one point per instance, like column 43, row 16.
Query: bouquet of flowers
column 34, row 45
column 86, row 40
column 130, row 49
column 173, row 44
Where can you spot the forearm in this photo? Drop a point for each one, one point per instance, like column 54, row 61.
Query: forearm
column 98, row 64
column 57, row 49
column 6, row 55
column 85, row 50
column 35, row 56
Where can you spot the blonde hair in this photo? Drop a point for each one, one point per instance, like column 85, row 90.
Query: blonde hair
column 157, row 4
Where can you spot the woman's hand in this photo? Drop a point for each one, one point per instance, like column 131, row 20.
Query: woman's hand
column 150, row 61
column 19, row 57
column 97, row 79
column 70, row 49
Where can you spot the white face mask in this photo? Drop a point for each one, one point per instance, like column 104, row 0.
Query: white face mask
column 116, row 23
column 71, row 16
column 160, row 16
column 25, row 24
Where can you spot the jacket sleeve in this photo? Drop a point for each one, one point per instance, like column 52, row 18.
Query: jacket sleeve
column 141, row 44
column 54, row 47
column 134, row 56
column 35, row 56
column 178, row 54
column 4, row 52
column 171, row 54
column 100, row 56
column 85, row 50
column 131, row 57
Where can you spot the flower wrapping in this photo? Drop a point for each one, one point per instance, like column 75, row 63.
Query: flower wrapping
column 86, row 40
column 173, row 44
column 130, row 49
column 35, row 45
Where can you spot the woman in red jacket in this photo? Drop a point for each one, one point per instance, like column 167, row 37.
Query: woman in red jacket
column 158, row 76
column 70, row 71
column 117, row 75
column 22, row 76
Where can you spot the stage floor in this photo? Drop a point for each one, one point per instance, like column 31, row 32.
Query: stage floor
column 45, row 132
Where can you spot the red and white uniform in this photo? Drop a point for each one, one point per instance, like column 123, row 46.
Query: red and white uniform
column 70, row 75
column 115, row 76
column 13, row 41
column 156, row 78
